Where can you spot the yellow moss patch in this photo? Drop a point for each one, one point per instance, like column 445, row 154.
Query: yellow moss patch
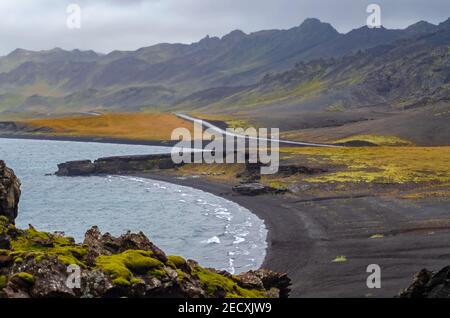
column 122, row 267
column 377, row 140
column 394, row 165
column 38, row 244
column 3, row 281
column 176, row 261
column 26, row 277
column 339, row 259
column 427, row 194
column 224, row 172
column 214, row 282
column 134, row 126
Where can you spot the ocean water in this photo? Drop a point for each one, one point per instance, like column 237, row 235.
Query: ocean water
column 181, row 220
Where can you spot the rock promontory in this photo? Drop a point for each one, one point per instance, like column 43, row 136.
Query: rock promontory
column 9, row 193
column 116, row 165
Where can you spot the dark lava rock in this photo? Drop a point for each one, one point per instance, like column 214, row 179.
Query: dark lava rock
column 357, row 143
column 254, row 189
column 9, row 193
column 427, row 284
column 106, row 244
column 252, row 172
column 76, row 168
column 290, row 170
column 116, row 165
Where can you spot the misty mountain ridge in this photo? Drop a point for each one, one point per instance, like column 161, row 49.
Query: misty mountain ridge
column 165, row 75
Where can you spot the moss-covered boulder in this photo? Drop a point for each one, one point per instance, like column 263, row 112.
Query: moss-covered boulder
column 9, row 193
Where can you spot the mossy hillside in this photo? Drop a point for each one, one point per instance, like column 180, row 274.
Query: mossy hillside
column 40, row 244
column 132, row 126
column 278, row 93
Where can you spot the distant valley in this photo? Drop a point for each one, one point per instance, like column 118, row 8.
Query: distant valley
column 309, row 78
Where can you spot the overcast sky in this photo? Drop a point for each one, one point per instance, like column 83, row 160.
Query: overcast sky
column 108, row 25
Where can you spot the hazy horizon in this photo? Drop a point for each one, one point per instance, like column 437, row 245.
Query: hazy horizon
column 195, row 41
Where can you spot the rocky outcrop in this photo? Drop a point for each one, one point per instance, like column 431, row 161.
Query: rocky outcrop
column 427, row 284
column 76, row 168
column 10, row 127
column 9, row 193
column 43, row 265
column 116, row 165
column 36, row 264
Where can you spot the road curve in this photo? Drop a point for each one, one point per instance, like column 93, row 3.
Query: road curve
column 227, row 133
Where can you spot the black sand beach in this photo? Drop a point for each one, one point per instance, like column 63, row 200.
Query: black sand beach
column 305, row 236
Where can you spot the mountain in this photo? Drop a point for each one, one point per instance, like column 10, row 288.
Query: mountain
column 399, row 75
column 160, row 75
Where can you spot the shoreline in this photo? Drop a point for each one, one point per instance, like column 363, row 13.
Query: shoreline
column 103, row 140
column 283, row 235
column 306, row 236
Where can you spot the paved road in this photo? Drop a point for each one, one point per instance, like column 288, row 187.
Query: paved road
column 221, row 131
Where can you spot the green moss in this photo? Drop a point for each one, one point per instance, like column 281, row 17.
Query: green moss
column 4, row 252
column 41, row 244
column 214, row 282
column 18, row 260
column 3, row 220
column 3, row 281
column 246, row 293
column 39, row 258
column 379, row 140
column 4, row 223
column 181, row 275
column 339, row 259
column 140, row 263
column 121, row 282
column 26, row 277
column 158, row 273
column 130, row 262
column 175, row 261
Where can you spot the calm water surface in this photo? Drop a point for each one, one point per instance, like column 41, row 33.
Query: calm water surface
column 180, row 220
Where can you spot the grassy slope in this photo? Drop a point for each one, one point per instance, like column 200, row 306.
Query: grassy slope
column 133, row 126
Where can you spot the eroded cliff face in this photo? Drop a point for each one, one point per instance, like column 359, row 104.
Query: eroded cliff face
column 9, row 193
column 36, row 264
